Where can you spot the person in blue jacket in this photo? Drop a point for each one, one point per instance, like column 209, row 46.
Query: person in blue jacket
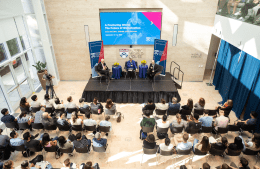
column 131, row 67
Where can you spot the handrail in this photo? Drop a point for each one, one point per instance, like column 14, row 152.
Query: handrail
column 179, row 72
column 171, row 68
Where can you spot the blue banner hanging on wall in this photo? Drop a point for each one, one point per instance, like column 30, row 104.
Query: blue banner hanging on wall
column 160, row 53
column 96, row 53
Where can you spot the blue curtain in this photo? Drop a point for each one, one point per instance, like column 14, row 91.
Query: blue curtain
column 235, row 75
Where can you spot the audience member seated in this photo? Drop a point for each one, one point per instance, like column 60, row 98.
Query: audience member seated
column 68, row 165
column 243, row 163
column 70, row 103
column 200, row 105
column 7, row 118
column 193, row 123
column 174, row 106
column 89, row 121
column 63, row 143
column 236, row 146
column 5, row 143
column 162, row 123
column 244, row 10
column 110, row 107
column 63, row 121
column 58, row 104
column 203, row 146
column 166, row 146
column 31, row 143
column 8, row 165
column 162, row 106
column 82, row 103
column 251, row 121
column 96, row 106
column 220, row 121
column 34, row 102
column 146, row 122
column 227, row 107
column 150, row 105
column 98, row 141
column 184, row 145
column 82, row 141
column 253, row 144
column 47, row 120
column 42, row 164
column 23, row 119
column 48, row 142
column 75, row 120
column 38, row 115
column 15, row 141
column 47, row 101
column 149, row 142
column 189, row 106
column 24, row 104
column 88, row 165
column 220, row 145
column 106, row 123
column 179, row 122
column 206, row 120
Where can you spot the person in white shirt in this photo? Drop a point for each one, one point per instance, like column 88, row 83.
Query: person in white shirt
column 107, row 123
column 221, row 121
column 58, row 104
column 89, row 121
column 167, row 146
column 75, row 120
column 70, row 104
column 68, row 165
column 47, row 101
column 34, row 102
column 163, row 123
column 162, row 106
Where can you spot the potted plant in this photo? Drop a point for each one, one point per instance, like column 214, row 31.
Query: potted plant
column 40, row 72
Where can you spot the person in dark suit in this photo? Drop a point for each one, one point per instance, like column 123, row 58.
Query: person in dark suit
column 152, row 70
column 131, row 67
column 103, row 69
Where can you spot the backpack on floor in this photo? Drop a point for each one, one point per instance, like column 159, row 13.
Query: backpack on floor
column 119, row 116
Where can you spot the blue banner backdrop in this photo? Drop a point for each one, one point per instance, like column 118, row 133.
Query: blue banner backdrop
column 160, row 53
column 96, row 53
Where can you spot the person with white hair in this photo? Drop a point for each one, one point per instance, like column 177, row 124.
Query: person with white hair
column 98, row 141
column 38, row 115
column 130, row 67
column 174, row 105
column 153, row 69
column 103, row 69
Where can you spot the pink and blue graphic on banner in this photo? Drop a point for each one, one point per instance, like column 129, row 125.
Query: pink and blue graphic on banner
column 96, row 53
column 160, row 53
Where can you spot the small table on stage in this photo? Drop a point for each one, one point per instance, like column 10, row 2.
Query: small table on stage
column 116, row 72
column 143, row 71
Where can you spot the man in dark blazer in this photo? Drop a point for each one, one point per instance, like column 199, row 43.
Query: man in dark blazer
column 103, row 69
column 153, row 69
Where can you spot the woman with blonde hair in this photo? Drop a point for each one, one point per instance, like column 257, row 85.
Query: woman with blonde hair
column 179, row 122
column 200, row 105
column 227, row 107
column 162, row 106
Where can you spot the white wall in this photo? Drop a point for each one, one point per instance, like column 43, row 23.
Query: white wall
column 10, row 8
column 243, row 35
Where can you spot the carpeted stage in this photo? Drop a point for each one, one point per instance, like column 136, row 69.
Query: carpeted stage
column 131, row 91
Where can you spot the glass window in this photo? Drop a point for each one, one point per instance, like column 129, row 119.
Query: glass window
column 32, row 70
column 27, row 6
column 47, row 28
column 25, row 89
column 19, row 69
column 25, row 42
column 40, row 55
column 7, row 77
column 2, row 53
column 34, row 31
column 13, row 46
column 14, row 97
column 3, row 102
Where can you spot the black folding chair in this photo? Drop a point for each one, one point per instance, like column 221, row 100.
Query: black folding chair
column 49, row 150
column 67, row 150
column 149, row 152
column 95, row 111
column 249, row 128
column 20, row 148
column 172, row 112
column 34, row 149
column 199, row 111
column 165, row 153
column 82, row 150
column 232, row 153
column 100, row 75
column 212, row 112
column 11, row 125
column 221, row 131
column 77, row 128
column 215, row 152
column 37, row 126
column 183, row 152
column 51, row 128
column 147, row 130
column 186, row 112
column 176, row 129
column 198, row 153
column 35, row 109
column 233, row 128
column 252, row 153
column 105, row 129
column 60, row 110
column 26, row 109
column 49, row 110
column 100, row 150
column 150, row 112
column 226, row 113
column 71, row 110
column 23, row 126
column 90, row 128
column 160, row 112
column 63, row 128
column 84, row 110
column 206, row 129
column 162, row 130
column 193, row 131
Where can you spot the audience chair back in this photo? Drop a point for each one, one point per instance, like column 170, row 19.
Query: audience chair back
column 95, row 111
column 50, row 149
column 150, row 112
column 177, row 130
column 10, row 125
column 250, row 152
column 51, row 128
column 60, row 110
column 147, row 129
column 82, row 150
column 172, row 112
column 99, row 149
column 49, row 110
column 206, row 129
column 226, row 113
column 198, row 152
column 19, row 148
column 76, row 127
column 193, row 131
column 222, row 130
column 184, row 152
column 149, row 152
column 104, row 129
column 212, row 112
column 67, row 150
column 71, row 110
column 233, row 152
column 162, row 130
column 35, row 109
column 84, row 110
column 249, row 128
column 199, row 111
column 33, row 149
column 165, row 153
column 26, row 109
column 37, row 126
column 23, row 126
column 186, row 112
column 160, row 112
column 216, row 152
column 90, row 128
column 63, row 128
column 233, row 128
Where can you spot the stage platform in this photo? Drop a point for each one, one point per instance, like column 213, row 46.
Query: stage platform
column 131, row 91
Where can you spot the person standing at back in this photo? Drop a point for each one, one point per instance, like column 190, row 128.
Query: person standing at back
column 48, row 78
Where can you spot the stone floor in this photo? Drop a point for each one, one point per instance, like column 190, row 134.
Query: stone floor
column 125, row 147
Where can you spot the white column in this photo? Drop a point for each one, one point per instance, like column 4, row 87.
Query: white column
column 45, row 40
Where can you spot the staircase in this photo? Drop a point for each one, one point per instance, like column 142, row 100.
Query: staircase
column 175, row 71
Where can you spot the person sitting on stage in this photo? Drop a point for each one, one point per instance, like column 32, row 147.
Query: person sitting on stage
column 131, row 67
column 152, row 70
column 103, row 69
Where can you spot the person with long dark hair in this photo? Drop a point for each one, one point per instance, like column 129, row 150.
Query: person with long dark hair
column 24, row 105
column 220, row 145
column 237, row 145
column 110, row 107
column 203, row 146
column 48, row 142
column 96, row 106
column 149, row 142
column 253, row 144
column 64, row 143
column 23, row 119
column 75, row 120
column 47, row 101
